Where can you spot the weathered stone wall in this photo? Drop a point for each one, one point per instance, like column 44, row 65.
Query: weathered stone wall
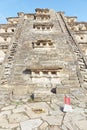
column 79, row 30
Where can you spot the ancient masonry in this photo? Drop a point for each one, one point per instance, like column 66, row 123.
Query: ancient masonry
column 42, row 53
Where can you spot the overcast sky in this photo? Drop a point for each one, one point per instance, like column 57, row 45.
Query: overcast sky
column 9, row 8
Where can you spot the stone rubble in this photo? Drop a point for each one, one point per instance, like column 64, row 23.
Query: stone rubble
column 20, row 115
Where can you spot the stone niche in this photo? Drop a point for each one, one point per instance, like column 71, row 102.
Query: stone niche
column 11, row 30
column 13, row 20
column 20, row 14
column 44, row 76
column 25, row 16
column 44, row 26
column 71, row 19
column 4, row 47
column 43, row 44
column 5, row 39
column 83, row 47
column 7, row 30
column 29, row 16
column 82, row 27
column 42, row 11
column 41, row 17
column 81, row 38
column 79, row 27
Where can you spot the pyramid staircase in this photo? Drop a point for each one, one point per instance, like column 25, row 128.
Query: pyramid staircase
column 5, row 89
column 80, row 59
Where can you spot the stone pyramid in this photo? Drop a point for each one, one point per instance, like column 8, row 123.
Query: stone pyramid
column 44, row 51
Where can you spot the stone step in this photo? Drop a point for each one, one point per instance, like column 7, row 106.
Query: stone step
column 7, row 73
column 42, row 95
column 62, row 90
column 4, row 81
column 73, row 77
column 80, row 60
column 18, row 81
column 4, row 92
column 83, row 69
column 81, row 65
column 77, row 51
column 71, row 83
